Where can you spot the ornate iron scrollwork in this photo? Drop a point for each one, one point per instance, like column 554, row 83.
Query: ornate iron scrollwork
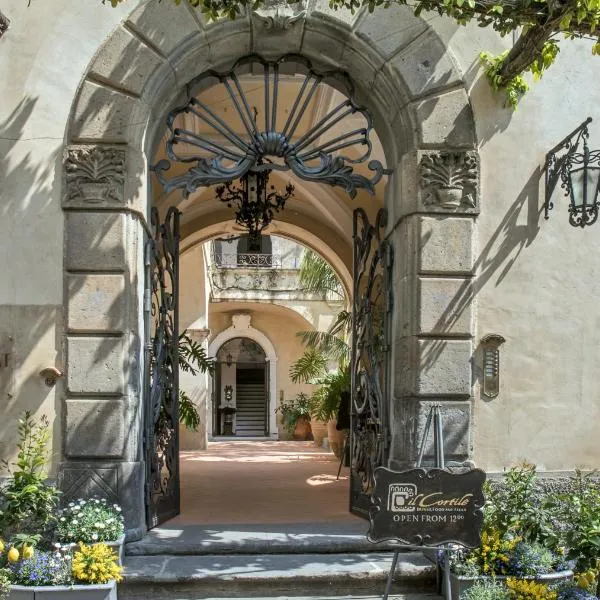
column 371, row 326
column 162, row 377
column 221, row 150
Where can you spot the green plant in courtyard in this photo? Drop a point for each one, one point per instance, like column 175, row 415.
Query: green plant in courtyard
column 540, row 23
column 193, row 360
column 294, row 410
column 27, row 502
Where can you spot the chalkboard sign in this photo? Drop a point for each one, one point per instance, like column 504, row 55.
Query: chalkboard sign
column 427, row 507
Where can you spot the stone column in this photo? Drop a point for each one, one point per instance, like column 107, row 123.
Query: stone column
column 434, row 320
column 103, row 278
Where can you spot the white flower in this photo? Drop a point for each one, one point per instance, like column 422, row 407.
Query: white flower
column 63, row 519
column 94, row 536
column 71, row 504
column 57, row 545
column 74, row 521
column 76, row 508
column 117, row 508
column 100, row 525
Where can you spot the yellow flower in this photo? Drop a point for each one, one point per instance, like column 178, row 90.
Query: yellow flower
column 95, row 564
column 27, row 551
column 13, row 555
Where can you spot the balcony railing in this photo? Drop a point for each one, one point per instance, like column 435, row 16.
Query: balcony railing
column 255, row 261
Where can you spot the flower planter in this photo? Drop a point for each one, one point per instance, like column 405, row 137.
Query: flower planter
column 319, row 430
column 460, row 584
column 336, row 438
column 302, row 430
column 106, row 591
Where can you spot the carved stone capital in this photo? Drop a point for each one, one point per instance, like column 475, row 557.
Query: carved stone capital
column 94, row 176
column 280, row 16
column 449, row 181
column 4, row 23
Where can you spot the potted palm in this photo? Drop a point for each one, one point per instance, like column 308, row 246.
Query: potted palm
column 295, row 417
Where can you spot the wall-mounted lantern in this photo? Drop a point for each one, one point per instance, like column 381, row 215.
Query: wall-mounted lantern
column 579, row 173
column 490, row 345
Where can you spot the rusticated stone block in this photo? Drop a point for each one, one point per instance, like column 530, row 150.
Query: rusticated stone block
column 444, row 367
column 96, row 302
column 456, row 428
column 106, row 115
column 94, row 428
column 109, row 63
column 425, row 65
column 96, row 365
column 447, row 120
column 385, row 33
column 164, row 25
column 445, row 306
column 95, row 241
column 446, row 245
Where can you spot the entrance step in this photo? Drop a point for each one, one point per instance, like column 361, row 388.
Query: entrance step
column 274, row 575
column 278, row 538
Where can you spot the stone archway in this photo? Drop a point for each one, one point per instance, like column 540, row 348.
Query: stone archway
column 408, row 80
column 241, row 327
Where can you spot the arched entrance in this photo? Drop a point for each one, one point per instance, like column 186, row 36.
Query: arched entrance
column 420, row 108
column 241, row 400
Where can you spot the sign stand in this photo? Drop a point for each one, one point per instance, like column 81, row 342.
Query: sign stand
column 434, row 418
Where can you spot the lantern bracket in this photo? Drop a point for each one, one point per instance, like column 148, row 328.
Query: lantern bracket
column 563, row 162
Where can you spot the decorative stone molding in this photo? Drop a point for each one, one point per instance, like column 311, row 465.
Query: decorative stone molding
column 450, row 181
column 241, row 321
column 86, row 481
column 4, row 23
column 280, row 16
column 94, row 175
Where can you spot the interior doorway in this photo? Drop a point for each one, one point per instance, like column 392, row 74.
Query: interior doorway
column 241, row 398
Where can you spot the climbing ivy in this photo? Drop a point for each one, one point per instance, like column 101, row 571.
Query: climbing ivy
column 541, row 24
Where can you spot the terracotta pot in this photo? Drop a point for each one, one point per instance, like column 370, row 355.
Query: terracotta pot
column 319, row 430
column 336, row 438
column 302, row 430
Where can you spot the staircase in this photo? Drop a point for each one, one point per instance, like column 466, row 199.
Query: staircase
column 300, row 561
column 250, row 409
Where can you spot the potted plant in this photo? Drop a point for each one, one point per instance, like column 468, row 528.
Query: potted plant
column 295, row 417
column 92, row 521
column 533, row 541
column 91, row 572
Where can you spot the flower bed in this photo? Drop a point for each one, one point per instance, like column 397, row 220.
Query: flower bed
column 107, row 591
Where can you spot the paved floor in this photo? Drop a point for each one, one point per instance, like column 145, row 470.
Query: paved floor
column 254, row 482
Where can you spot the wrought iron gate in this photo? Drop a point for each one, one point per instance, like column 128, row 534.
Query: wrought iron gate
column 370, row 368
column 162, row 372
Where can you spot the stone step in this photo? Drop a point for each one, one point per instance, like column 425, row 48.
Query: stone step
column 272, row 575
column 274, row 538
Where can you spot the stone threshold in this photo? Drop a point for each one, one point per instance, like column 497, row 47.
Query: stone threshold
column 293, row 538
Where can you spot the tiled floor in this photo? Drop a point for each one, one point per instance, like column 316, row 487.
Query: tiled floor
column 262, row 482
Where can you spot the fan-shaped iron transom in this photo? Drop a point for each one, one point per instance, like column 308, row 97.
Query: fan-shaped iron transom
column 266, row 133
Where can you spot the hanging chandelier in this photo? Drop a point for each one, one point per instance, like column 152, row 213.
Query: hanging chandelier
column 254, row 200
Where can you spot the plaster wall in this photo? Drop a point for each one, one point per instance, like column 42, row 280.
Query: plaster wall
column 536, row 281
